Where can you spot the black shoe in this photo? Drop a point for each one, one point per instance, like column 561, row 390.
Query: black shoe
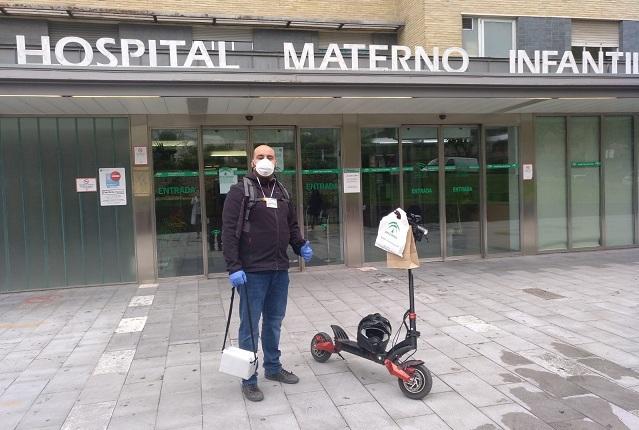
column 252, row 393
column 284, row 376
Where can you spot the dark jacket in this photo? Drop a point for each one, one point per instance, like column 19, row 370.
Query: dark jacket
column 271, row 230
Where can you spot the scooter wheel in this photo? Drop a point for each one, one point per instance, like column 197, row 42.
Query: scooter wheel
column 419, row 384
column 318, row 355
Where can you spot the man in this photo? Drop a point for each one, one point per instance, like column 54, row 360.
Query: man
column 258, row 224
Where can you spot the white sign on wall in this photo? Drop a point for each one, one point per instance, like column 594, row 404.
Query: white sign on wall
column 351, row 181
column 140, row 155
column 86, row 185
column 112, row 186
column 528, row 172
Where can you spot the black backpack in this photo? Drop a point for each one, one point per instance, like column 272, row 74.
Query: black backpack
column 249, row 201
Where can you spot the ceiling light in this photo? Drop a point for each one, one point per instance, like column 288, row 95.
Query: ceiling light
column 585, row 98
column 227, row 154
column 30, row 95
column 377, row 97
column 115, row 97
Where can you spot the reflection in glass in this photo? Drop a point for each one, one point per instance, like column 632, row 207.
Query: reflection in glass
column 461, row 164
column 421, row 183
column 584, row 187
column 321, row 188
column 177, row 202
column 380, row 183
column 225, row 163
column 550, row 174
column 502, row 189
column 617, row 141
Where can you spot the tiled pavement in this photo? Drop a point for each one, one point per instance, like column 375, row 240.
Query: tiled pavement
column 543, row 342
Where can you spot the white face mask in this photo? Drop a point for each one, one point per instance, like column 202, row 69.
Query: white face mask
column 264, row 167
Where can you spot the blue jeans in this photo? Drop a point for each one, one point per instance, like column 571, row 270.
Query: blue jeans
column 267, row 294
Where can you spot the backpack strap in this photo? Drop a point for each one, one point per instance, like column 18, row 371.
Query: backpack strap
column 248, row 202
column 287, row 197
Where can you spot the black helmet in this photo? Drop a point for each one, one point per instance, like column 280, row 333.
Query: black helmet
column 373, row 333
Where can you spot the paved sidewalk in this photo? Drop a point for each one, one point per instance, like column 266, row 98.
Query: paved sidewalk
column 543, row 342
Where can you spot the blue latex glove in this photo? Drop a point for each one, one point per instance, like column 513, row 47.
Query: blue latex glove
column 306, row 251
column 237, row 278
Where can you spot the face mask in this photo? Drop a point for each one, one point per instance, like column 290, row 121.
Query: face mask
column 264, row 167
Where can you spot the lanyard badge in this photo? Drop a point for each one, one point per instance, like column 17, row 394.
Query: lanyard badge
column 270, row 201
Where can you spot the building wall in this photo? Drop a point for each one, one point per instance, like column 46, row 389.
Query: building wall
column 412, row 14
column 356, row 10
column 427, row 22
column 543, row 33
column 53, row 236
column 444, row 17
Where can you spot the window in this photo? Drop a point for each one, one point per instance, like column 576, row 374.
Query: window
column 488, row 37
column 594, row 36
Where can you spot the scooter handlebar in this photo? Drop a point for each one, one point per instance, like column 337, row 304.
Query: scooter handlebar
column 418, row 231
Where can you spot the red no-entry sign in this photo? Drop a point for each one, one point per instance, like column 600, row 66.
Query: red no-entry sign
column 115, row 176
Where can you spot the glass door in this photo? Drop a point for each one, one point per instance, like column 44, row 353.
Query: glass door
column 380, row 183
column 583, row 150
column 617, row 143
column 502, row 190
column 177, row 202
column 321, row 190
column 461, row 167
column 189, row 220
column 225, row 163
column 421, row 183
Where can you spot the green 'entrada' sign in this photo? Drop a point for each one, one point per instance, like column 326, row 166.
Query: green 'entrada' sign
column 421, row 190
column 502, row 166
column 585, row 164
column 167, row 191
column 320, row 186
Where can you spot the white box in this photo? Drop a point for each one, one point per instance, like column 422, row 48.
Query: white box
column 238, row 362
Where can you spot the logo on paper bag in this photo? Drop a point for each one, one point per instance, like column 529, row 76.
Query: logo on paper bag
column 392, row 228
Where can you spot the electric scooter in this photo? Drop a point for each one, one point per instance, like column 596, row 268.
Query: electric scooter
column 414, row 379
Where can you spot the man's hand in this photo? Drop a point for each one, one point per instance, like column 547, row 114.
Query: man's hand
column 307, row 252
column 237, row 278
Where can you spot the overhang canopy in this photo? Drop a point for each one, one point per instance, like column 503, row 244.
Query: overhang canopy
column 50, row 90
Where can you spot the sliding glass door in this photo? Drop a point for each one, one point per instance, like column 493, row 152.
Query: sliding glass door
column 438, row 176
column 194, row 170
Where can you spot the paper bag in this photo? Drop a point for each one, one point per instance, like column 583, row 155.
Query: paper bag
column 409, row 258
column 391, row 234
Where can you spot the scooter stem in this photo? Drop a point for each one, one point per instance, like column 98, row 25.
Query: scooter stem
column 411, row 298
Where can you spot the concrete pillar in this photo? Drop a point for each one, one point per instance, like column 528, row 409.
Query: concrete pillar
column 352, row 202
column 143, row 201
column 528, row 217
